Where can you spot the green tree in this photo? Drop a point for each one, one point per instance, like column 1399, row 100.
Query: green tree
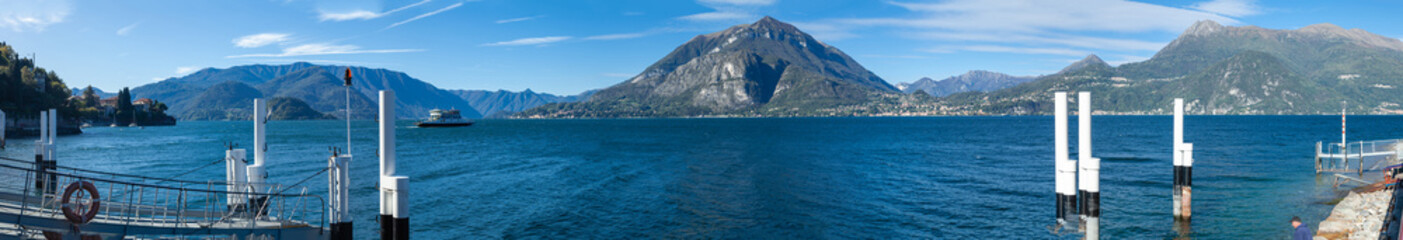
column 90, row 98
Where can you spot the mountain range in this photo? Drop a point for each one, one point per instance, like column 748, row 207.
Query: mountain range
column 972, row 81
column 502, row 103
column 1228, row 70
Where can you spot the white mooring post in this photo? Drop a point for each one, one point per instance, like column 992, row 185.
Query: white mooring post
column 339, row 180
column 1066, row 169
column 394, row 190
column 234, row 173
column 1090, row 168
column 258, row 173
column 1178, row 157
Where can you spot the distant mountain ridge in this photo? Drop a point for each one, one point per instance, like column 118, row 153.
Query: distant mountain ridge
column 319, row 86
column 766, row 68
column 503, row 102
column 1228, row 70
column 972, row 81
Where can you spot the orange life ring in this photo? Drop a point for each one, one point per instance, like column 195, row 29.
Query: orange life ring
column 72, row 214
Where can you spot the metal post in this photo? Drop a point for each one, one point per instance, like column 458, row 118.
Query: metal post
column 394, row 194
column 1066, row 169
column 50, row 164
column 1188, row 186
column 1178, row 156
column 1090, row 167
column 40, row 149
column 258, row 173
column 340, row 186
column 235, row 167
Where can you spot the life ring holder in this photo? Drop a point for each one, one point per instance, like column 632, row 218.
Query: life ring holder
column 72, row 214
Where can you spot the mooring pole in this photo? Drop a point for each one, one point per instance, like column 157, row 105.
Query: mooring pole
column 258, row 173
column 339, row 182
column 394, row 190
column 1187, row 189
column 1066, row 169
column 1090, row 182
column 235, row 172
column 1178, row 156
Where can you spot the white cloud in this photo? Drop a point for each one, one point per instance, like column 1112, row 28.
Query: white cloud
column 1008, row 49
column 728, row 10
column 363, row 14
column 261, row 39
column 421, row 16
column 617, row 36
column 186, row 70
column 1234, row 8
column 518, row 19
column 739, row 2
column 126, row 30
column 24, row 15
column 1050, row 38
column 530, row 41
column 1040, row 16
column 323, row 49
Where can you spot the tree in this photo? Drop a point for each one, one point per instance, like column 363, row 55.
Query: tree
column 90, row 98
column 124, row 106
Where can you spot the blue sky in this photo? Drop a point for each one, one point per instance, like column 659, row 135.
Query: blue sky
column 566, row 47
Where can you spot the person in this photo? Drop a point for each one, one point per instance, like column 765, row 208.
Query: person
column 1302, row 231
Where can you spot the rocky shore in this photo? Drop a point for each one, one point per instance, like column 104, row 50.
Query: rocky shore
column 1359, row 216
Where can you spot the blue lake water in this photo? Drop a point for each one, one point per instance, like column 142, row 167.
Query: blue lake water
column 797, row 178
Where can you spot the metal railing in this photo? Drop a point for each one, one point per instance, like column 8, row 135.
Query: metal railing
column 157, row 202
column 1351, row 157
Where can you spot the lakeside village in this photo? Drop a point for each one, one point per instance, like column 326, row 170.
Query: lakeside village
column 25, row 90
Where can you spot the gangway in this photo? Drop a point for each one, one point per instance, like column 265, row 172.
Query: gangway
column 126, row 205
column 1351, row 157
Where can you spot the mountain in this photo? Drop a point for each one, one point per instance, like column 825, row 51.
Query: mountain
column 1090, row 61
column 491, row 103
column 98, row 91
column 977, row 80
column 321, row 87
column 231, row 100
column 286, row 108
column 1228, row 70
column 766, row 68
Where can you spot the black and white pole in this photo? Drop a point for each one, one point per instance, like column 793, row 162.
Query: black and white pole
column 1066, row 169
column 44, row 152
column 1090, row 167
column 1178, row 157
column 1187, row 189
column 394, row 190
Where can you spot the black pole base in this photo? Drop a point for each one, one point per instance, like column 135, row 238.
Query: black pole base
column 387, row 227
column 341, row 231
column 401, row 228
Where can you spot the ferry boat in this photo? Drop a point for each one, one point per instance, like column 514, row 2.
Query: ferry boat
column 442, row 118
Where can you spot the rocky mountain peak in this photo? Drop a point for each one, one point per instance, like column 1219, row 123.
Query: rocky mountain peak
column 1203, row 27
column 1088, row 61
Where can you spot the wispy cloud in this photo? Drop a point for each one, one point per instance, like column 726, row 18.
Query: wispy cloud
column 1008, row 49
column 1045, row 38
column 260, row 40
column 1233, row 8
column 728, row 10
column 186, row 70
column 20, row 16
column 530, row 41
column 323, row 49
column 617, row 36
column 363, row 14
column 127, row 30
column 512, row 20
column 421, row 16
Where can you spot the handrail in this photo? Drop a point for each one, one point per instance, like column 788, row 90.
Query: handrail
column 118, row 174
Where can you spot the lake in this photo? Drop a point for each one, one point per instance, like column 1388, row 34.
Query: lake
column 783, row 178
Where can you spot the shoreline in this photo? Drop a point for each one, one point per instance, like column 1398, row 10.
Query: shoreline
column 1359, row 215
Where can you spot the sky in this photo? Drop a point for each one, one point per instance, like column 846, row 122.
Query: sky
column 566, row 47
